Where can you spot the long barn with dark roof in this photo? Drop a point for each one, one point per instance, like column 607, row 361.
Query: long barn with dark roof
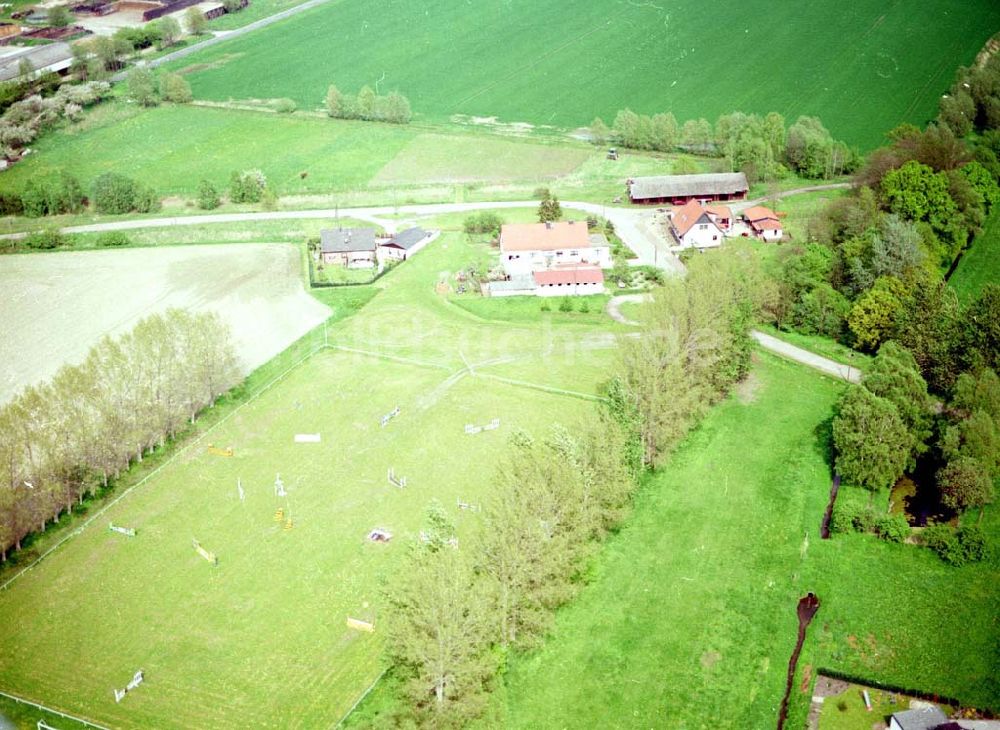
column 680, row 189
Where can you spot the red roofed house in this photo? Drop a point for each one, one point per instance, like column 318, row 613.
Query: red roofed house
column 764, row 222
column 571, row 280
column 551, row 259
column 694, row 227
column 528, row 247
column 722, row 215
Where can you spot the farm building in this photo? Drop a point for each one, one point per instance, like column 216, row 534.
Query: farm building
column 693, row 226
column 679, row 189
column 764, row 223
column 350, row 247
column 924, row 718
column 529, row 247
column 405, row 244
column 55, row 57
column 569, row 281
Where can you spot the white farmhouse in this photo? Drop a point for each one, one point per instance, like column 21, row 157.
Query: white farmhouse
column 529, row 247
column 693, row 226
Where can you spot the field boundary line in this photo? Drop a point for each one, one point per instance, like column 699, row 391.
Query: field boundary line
column 361, row 699
column 43, row 708
column 544, row 388
column 162, row 466
column 393, row 358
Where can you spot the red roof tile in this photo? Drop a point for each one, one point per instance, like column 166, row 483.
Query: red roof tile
column 543, row 237
column 579, row 275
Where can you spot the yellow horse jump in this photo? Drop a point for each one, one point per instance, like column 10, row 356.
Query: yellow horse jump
column 219, row 451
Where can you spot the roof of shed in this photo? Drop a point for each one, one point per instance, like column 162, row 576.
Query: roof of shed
column 409, row 238
column 670, row 186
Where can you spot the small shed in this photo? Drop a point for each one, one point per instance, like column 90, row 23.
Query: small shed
column 405, row 243
column 350, row 247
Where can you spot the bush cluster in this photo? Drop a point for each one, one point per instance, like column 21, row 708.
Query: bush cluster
column 956, row 547
column 483, row 222
column 116, row 194
column 853, row 517
column 247, row 186
column 25, row 120
column 393, row 107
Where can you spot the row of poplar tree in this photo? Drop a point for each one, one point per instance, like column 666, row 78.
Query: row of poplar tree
column 454, row 614
column 62, row 440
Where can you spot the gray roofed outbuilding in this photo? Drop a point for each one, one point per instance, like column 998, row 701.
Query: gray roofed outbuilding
column 924, row 718
column 409, row 238
column 51, row 57
column 678, row 186
column 344, row 240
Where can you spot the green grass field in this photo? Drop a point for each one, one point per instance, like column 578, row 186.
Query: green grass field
column 690, row 615
column 325, row 162
column 862, row 69
column 980, row 265
column 219, row 645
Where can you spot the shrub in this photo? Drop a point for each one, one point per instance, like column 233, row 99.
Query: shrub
column 208, row 196
column 865, row 519
column 116, row 194
column 484, row 222
column 566, row 305
column 175, row 88
column 972, row 542
column 584, row 306
column 247, row 186
column 937, row 538
column 843, row 517
column 141, row 86
column 113, row 239
column 283, row 106
column 967, row 545
column 892, row 528
column 47, row 239
column 545, row 306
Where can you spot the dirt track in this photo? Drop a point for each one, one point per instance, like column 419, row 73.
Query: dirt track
column 57, row 305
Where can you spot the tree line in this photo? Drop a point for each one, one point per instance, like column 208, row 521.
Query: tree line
column 393, row 107
column 63, row 440
column 760, row 146
column 454, row 614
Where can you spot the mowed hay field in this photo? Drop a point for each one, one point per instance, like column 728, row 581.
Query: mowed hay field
column 863, row 67
column 56, row 306
column 261, row 639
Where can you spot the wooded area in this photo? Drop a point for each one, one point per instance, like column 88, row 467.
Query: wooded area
column 63, row 440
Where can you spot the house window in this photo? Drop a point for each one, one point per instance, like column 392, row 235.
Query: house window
column 559, row 253
column 703, row 226
column 574, row 253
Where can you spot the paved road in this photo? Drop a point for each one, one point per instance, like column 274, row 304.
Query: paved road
column 817, row 362
column 772, row 344
column 630, row 223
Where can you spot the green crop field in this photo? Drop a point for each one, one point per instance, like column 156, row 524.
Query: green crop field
column 261, row 639
column 691, row 612
column 324, row 161
column 863, row 68
column 980, row 265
